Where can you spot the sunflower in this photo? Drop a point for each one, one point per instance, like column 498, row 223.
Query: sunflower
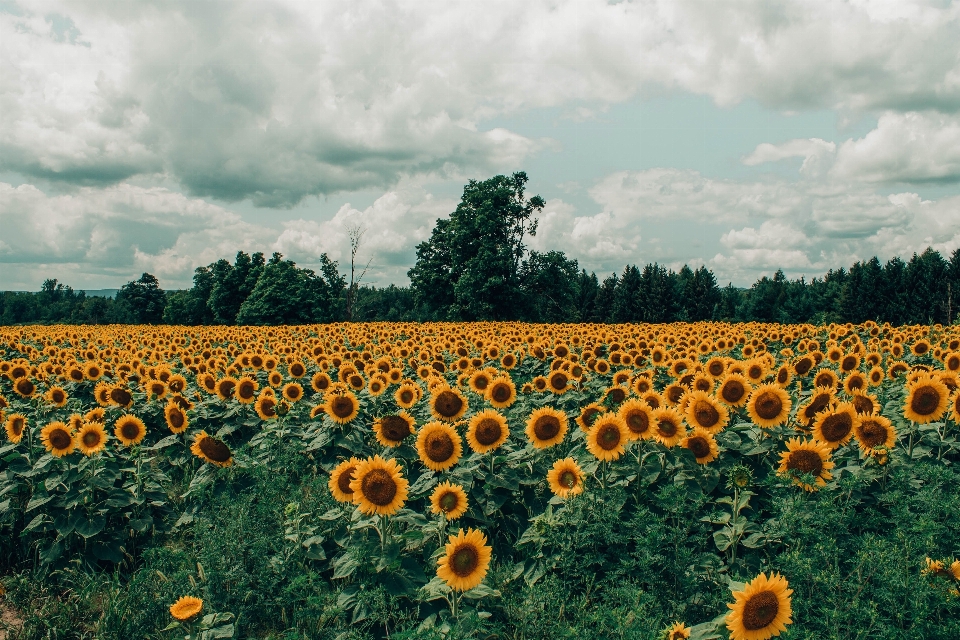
column 24, row 387
column 439, row 446
column 955, row 407
column 826, row 378
column 566, row 478
column 668, row 426
column 636, row 415
column 342, row 406
column 678, row 631
column 702, row 444
column 502, row 392
column 129, row 430
column 58, row 440
column 479, row 381
column 864, row 402
column 589, row 414
column 317, row 411
column 705, row 412
column 246, row 392
column 95, row 415
column 292, row 391
column 340, row 479
column 817, row 403
column 176, row 419
column 546, row 427
column 769, row 406
column 186, row 608
column 91, row 438
column 804, row 457
column 873, row 431
column 211, row 450
column 121, row 397
column 761, row 610
column 449, row 499
column 275, row 379
column 734, row 390
column 856, row 382
column 225, row 388
column 391, row 430
column 487, row 431
column 558, row 382
column 56, row 396
column 266, row 405
column 927, row 399
column 835, row 426
column 407, row 395
column 608, row 438
column 14, row 426
column 379, row 486
column 448, row 404
column 320, row 381
column 466, row 561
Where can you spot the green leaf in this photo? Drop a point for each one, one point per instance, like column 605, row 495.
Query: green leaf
column 344, row 566
column 37, row 501
column 91, row 527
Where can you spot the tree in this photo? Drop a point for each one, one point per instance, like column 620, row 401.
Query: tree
column 143, row 300
column 626, row 298
column 232, row 285
column 549, row 282
column 285, row 294
column 656, row 294
column 469, row 268
column 355, row 234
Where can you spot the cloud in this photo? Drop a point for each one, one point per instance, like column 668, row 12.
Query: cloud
column 275, row 101
column 814, row 151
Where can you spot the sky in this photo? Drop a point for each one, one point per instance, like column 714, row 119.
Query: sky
column 746, row 136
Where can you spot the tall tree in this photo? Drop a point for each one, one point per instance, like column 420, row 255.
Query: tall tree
column 143, row 300
column 549, row 282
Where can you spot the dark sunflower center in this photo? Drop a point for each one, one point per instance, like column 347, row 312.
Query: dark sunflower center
column 558, row 381
column 816, row 405
column 706, row 414
column 465, row 561
column 760, row 610
column 666, row 428
column 25, row 387
column 448, row 404
column 500, row 392
column 872, row 433
column 835, row 427
column 226, row 388
column 91, row 438
column 637, row 421
column 214, row 449
column 618, row 395
column 568, row 479
column 130, row 430
column 733, row 391
column 57, row 396
column 342, row 406
column 17, row 424
column 394, row 428
column 546, row 427
column 439, row 446
column 849, row 363
column 176, row 418
column 824, row 380
column 344, row 480
column 803, row 366
column 920, row 348
column 293, row 392
column 176, row 386
column 60, row 439
column 699, row 446
column 925, row 400
column 488, row 431
column 805, row 461
column 356, row 381
column 406, row 396
column 267, row 407
column 482, row 382
column 609, row 437
column 755, row 372
column 862, row 404
column 76, row 375
column 245, row 389
column 589, row 415
column 297, row 370
column 715, row 368
column 449, row 501
column 768, row 405
column 379, row 487
column 782, row 376
column 674, row 393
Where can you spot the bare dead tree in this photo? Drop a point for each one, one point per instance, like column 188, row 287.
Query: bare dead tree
column 355, row 233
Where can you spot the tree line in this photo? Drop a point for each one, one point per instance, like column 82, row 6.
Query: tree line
column 476, row 265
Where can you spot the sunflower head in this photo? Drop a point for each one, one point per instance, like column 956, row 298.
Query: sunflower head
column 391, row 430
column 589, row 414
column 769, row 405
column 212, row 450
column 129, row 430
column 14, row 425
column 705, row 412
column 487, row 430
column 58, row 440
column 874, row 432
column 805, row 460
column 449, row 499
column 702, row 445
column 734, row 389
column 342, row 406
column 501, row 393
column 466, row 560
column 546, row 427
column 448, row 404
column 340, row 479
column 668, row 428
column 379, row 486
column 835, row 425
column 439, row 446
column 608, row 437
column 761, row 610
column 91, row 438
column 926, row 401
column 266, row 405
column 566, row 478
column 186, row 608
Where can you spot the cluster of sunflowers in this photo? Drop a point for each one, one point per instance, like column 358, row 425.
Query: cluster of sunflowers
column 588, row 394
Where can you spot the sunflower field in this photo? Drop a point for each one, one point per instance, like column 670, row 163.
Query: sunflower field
column 485, row 480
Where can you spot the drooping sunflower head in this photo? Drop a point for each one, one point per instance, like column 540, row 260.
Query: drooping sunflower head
column 58, row 440
column 340, row 479
column 14, row 426
column 449, row 499
column 702, row 445
column 589, row 414
column 466, row 560
column 874, row 431
column 566, row 478
column 186, row 608
column 805, row 459
column 769, row 406
column 487, row 430
column 212, row 450
column 91, row 438
column 448, row 404
column 439, row 446
column 546, row 427
column 129, row 430
column 926, row 401
column 668, row 427
column 379, row 486
column 391, row 430
column 704, row 411
column 835, row 425
column 762, row 610
column 818, row 402
column 501, row 393
column 637, row 416
column 342, row 406
column 608, row 437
